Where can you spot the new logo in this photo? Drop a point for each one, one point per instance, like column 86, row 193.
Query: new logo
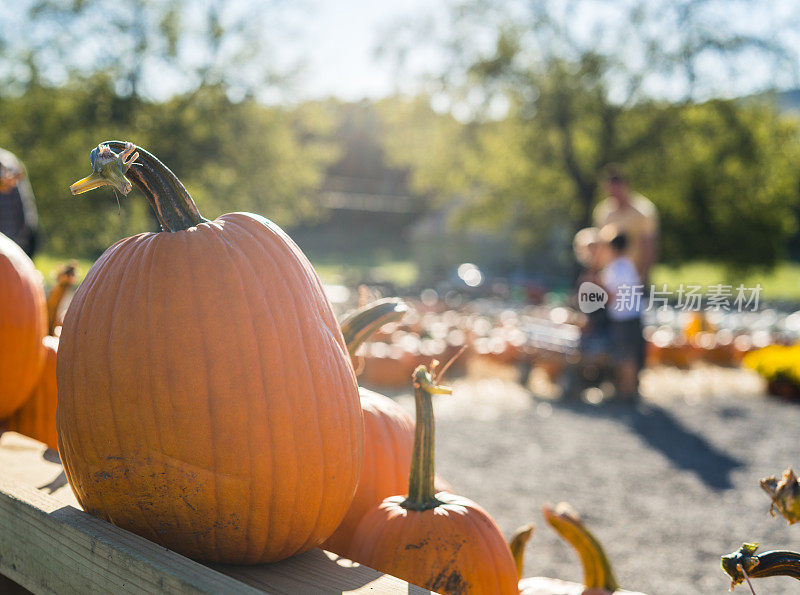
column 591, row 297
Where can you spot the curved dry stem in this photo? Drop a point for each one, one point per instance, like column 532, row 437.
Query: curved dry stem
column 361, row 324
column 517, row 545
column 597, row 573
column 133, row 166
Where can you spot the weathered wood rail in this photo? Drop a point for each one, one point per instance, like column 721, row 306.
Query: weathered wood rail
column 49, row 545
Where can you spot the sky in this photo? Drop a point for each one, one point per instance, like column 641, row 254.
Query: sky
column 340, row 39
column 338, row 42
column 331, row 45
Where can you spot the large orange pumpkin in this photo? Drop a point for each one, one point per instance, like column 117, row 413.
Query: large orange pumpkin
column 206, row 397
column 23, row 325
column 37, row 416
column 439, row 541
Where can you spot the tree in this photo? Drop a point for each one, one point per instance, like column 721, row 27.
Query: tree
column 584, row 83
column 730, row 187
column 230, row 155
column 101, row 79
column 151, row 49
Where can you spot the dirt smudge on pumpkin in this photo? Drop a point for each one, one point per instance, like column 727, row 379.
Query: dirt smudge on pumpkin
column 416, row 546
column 448, row 582
column 233, row 521
column 186, row 501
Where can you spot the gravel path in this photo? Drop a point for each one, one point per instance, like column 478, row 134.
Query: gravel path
column 667, row 486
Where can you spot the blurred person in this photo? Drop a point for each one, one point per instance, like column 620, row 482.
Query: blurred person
column 18, row 217
column 621, row 280
column 595, row 338
column 631, row 214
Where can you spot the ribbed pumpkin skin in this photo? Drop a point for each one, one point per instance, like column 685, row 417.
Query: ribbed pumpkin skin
column 206, row 398
column 388, row 440
column 453, row 548
column 37, row 416
column 23, row 325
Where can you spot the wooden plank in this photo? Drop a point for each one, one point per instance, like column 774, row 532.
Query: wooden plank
column 49, row 545
column 539, row 585
column 34, row 465
column 318, row 571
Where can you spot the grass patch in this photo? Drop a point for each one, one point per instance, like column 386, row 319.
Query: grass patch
column 401, row 273
column 780, row 283
column 48, row 265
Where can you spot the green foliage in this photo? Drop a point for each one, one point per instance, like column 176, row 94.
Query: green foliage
column 576, row 93
column 238, row 156
column 721, row 172
column 725, row 179
column 782, row 282
column 230, row 156
column 49, row 266
column 52, row 130
column 484, row 172
column 96, row 80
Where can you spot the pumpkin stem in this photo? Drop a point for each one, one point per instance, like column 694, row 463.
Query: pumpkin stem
column 421, row 490
column 65, row 280
column 597, row 573
column 359, row 325
column 517, row 545
column 745, row 563
column 170, row 201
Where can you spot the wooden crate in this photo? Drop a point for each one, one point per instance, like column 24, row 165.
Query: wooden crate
column 49, row 545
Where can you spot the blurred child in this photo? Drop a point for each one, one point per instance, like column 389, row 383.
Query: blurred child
column 623, row 284
column 595, row 340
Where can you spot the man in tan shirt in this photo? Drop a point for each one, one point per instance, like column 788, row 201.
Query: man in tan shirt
column 632, row 214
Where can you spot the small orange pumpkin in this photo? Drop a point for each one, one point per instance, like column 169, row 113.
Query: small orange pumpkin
column 37, row 416
column 23, row 325
column 441, row 542
column 206, row 398
column 388, row 430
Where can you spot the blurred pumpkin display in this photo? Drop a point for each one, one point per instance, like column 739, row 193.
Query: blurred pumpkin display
column 37, row 417
column 232, row 425
column 23, row 325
